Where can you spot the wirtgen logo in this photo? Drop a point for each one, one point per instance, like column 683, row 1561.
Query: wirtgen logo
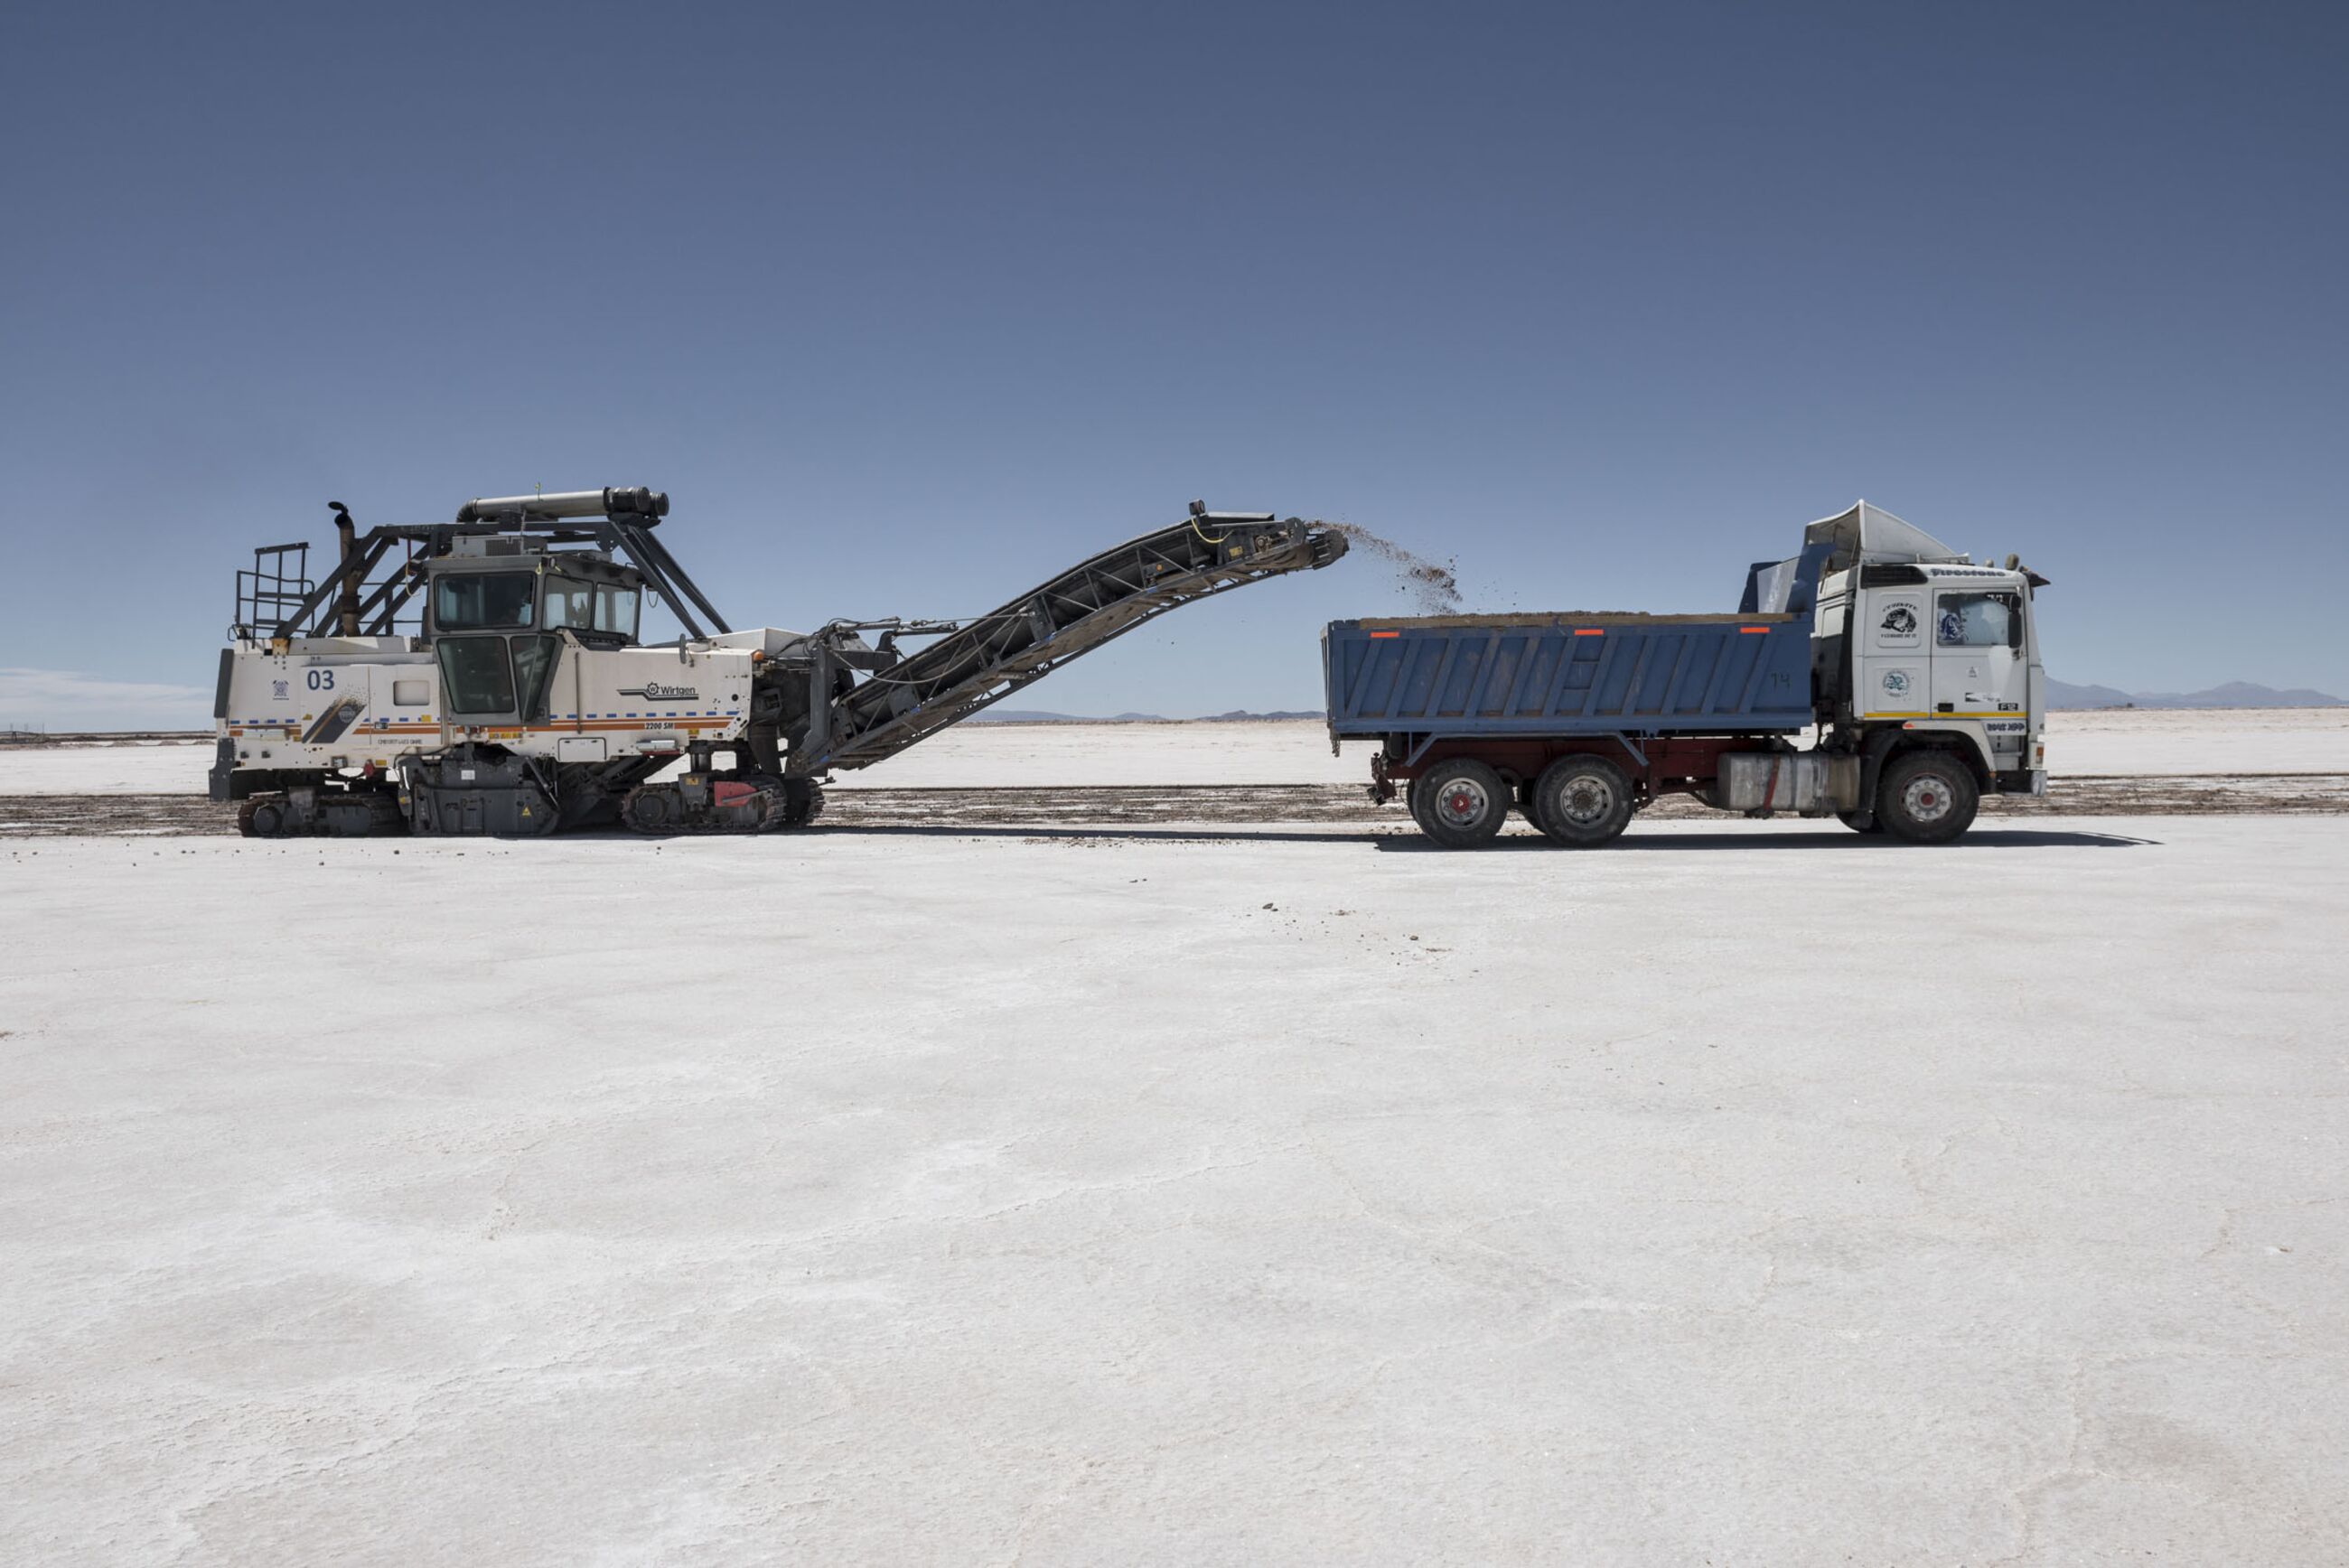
column 653, row 691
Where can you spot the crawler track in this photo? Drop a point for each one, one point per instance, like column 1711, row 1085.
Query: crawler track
column 183, row 816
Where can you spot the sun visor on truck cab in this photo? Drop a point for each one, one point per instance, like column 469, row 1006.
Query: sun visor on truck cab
column 1871, row 533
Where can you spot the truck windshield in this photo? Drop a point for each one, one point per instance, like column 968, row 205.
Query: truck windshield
column 481, row 601
column 1979, row 621
column 590, row 606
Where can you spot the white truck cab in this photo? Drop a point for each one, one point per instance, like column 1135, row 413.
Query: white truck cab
column 1913, row 636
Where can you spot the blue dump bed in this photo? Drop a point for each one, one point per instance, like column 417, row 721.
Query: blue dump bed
column 1577, row 673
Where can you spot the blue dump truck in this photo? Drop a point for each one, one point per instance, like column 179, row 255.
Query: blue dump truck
column 1914, row 670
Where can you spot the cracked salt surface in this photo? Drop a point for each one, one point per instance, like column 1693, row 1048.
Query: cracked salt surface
column 869, row 1198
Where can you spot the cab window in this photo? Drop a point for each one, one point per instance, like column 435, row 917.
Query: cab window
column 589, row 607
column 615, row 610
column 1979, row 621
column 475, row 674
column 534, row 662
column 569, row 602
column 482, row 601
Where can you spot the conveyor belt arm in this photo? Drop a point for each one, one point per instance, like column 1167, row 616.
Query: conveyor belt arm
column 983, row 660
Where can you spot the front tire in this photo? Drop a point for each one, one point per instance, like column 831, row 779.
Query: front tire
column 1927, row 797
column 1461, row 804
column 1582, row 802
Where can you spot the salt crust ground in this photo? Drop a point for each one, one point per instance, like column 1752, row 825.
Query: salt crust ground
column 1744, row 1193
column 2260, row 740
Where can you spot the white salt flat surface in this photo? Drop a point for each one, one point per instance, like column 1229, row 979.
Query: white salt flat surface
column 973, row 756
column 2201, row 740
column 1743, row 1193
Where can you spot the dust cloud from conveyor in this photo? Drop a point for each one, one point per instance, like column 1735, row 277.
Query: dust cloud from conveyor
column 1431, row 585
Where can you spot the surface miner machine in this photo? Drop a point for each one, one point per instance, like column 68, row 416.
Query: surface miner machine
column 484, row 675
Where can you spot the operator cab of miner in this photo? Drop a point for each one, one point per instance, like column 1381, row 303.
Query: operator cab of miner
column 496, row 604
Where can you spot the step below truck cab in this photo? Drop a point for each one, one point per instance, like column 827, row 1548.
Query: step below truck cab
column 1877, row 678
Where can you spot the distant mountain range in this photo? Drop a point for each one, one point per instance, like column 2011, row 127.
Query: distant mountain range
column 1038, row 715
column 2234, row 694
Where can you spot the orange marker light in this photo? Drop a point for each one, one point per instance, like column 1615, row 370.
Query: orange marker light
column 1754, row 631
column 1386, row 634
column 1590, row 631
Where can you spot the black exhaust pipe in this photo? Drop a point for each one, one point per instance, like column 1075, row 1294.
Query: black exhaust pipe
column 347, row 604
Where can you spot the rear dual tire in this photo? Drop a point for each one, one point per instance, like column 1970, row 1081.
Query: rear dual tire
column 1582, row 802
column 1579, row 801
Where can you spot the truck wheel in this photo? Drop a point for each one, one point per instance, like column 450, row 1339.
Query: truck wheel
column 1926, row 798
column 1467, row 803
column 1582, row 801
column 1415, row 795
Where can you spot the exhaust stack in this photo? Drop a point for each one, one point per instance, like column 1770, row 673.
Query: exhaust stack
column 346, row 602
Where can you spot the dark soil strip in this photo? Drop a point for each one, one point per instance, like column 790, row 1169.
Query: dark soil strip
column 2258, row 794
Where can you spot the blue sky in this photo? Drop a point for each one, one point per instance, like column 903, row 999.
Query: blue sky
column 909, row 306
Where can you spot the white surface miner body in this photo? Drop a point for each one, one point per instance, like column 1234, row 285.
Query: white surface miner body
column 1746, row 1193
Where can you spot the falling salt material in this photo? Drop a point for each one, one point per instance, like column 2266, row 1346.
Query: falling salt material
column 1434, row 587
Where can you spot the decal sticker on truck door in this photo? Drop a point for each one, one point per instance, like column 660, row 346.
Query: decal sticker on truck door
column 1898, row 622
